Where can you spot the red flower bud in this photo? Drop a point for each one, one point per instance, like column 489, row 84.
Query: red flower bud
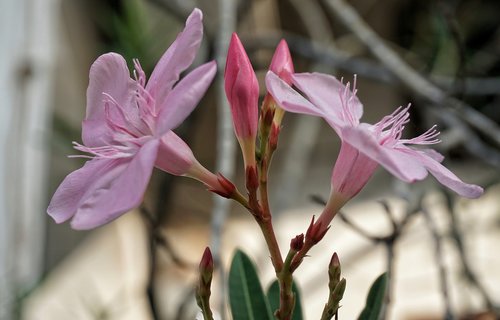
column 206, row 267
column 297, row 243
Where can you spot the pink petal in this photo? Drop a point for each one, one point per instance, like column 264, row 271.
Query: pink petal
column 109, row 74
column 352, row 171
column 289, row 99
column 119, row 195
column 174, row 155
column 185, row 97
column 433, row 154
column 68, row 196
column 325, row 92
column 448, row 178
column 177, row 58
column 397, row 161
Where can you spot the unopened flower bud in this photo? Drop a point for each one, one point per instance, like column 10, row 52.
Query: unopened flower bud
column 297, row 243
column 242, row 91
column 334, row 271
column 206, row 267
column 282, row 63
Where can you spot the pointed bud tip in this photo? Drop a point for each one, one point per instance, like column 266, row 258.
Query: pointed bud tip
column 315, row 232
column 335, row 262
column 207, row 261
column 282, row 63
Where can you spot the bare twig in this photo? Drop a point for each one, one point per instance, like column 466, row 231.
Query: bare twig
column 466, row 268
column 408, row 76
column 389, row 241
column 438, row 253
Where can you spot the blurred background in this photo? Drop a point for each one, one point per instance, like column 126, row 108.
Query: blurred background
column 442, row 252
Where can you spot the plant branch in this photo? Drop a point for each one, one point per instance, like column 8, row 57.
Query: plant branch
column 407, row 75
column 438, row 253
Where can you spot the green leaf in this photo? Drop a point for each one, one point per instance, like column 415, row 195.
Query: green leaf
column 375, row 299
column 246, row 296
column 273, row 296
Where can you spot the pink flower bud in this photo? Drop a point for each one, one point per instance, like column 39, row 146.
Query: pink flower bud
column 242, row 90
column 282, row 63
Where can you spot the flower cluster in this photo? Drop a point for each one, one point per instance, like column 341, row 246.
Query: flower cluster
column 127, row 131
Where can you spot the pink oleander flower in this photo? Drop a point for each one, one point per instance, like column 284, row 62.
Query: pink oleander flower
column 128, row 131
column 242, row 91
column 364, row 146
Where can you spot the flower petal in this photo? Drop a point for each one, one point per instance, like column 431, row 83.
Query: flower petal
column 397, row 161
column 185, row 97
column 109, row 75
column 289, row 99
column 448, row 178
column 352, row 171
column 77, row 184
column 174, row 155
column 325, row 91
column 176, row 59
column 123, row 193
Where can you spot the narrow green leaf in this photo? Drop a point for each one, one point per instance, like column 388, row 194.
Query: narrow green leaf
column 273, row 296
column 246, row 296
column 375, row 299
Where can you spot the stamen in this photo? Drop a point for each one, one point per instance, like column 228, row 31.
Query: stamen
column 139, row 74
column 428, row 137
column 347, row 97
column 110, row 121
column 104, row 152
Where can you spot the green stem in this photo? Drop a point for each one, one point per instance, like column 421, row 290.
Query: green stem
column 287, row 297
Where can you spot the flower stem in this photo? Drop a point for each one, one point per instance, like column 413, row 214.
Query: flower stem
column 299, row 257
column 287, row 297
